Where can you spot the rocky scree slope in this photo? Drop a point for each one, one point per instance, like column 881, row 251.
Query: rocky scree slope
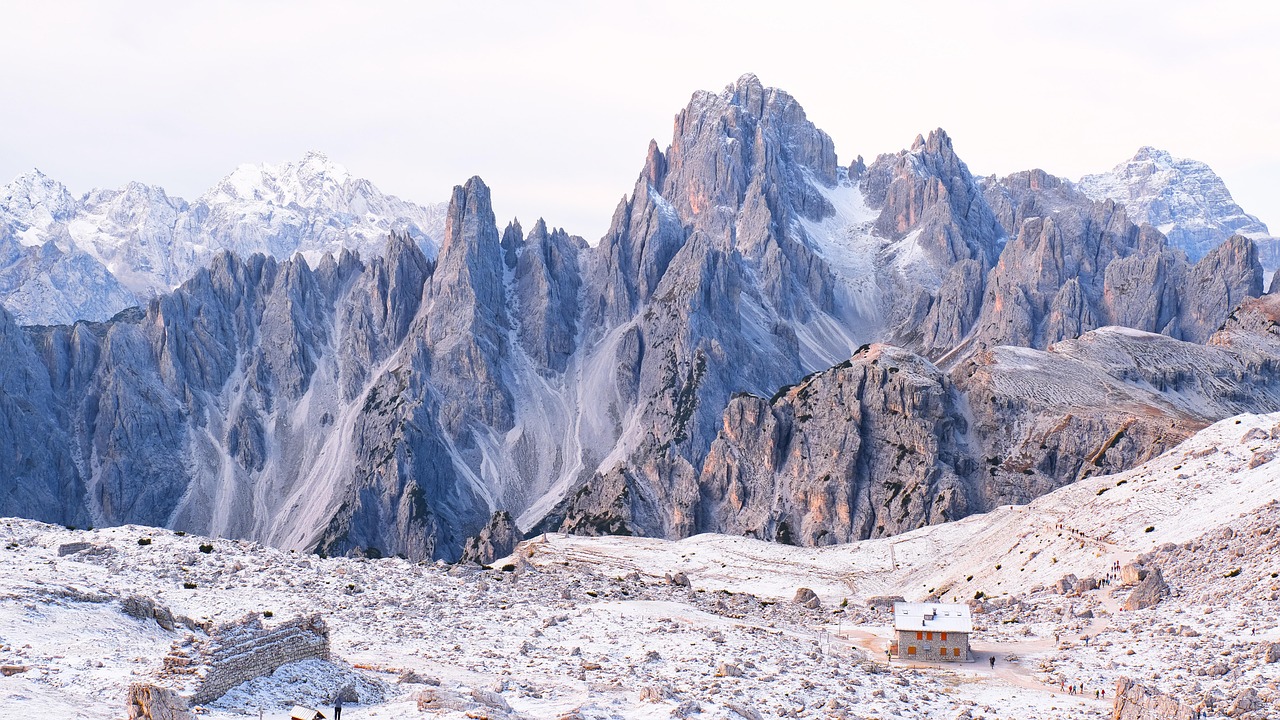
column 390, row 405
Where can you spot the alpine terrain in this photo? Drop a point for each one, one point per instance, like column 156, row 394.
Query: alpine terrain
column 766, row 343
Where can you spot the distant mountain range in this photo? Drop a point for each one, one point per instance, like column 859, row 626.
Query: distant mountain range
column 64, row 258
column 765, row 342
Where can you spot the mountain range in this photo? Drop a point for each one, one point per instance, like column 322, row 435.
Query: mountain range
column 765, row 342
column 64, row 259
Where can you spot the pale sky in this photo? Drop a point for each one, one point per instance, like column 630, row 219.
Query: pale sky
column 553, row 104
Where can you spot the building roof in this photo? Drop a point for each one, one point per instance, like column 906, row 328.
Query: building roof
column 943, row 617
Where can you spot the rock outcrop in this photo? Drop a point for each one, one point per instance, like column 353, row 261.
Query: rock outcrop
column 498, row 539
column 1148, row 593
column 1136, row 702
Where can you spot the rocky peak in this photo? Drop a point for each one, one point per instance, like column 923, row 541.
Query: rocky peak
column 471, row 242
column 749, row 93
column 655, row 165
column 34, row 199
column 512, row 240
column 1184, row 198
column 309, row 182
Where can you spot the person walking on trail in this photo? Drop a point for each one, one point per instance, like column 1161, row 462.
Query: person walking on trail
column 337, row 706
column 993, row 662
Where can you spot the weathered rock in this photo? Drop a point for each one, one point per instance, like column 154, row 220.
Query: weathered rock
column 1148, row 593
column 150, row 702
column 884, row 602
column 1135, row 702
column 1066, row 585
column 488, row 698
column 654, row 693
column 864, row 450
column 728, row 669
column 1271, row 653
column 1132, row 573
column 1245, row 702
column 804, row 595
column 497, row 540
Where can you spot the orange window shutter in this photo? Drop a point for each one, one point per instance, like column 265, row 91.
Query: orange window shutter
column 944, row 637
column 911, row 649
column 919, row 635
column 929, row 635
column 956, row 652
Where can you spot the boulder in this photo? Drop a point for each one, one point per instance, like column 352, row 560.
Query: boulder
column 804, row 596
column 728, row 669
column 1066, row 585
column 1132, row 574
column 150, row 702
column 1272, row 652
column 1148, row 593
column 654, row 693
column 1246, row 701
column 1136, row 702
column 144, row 608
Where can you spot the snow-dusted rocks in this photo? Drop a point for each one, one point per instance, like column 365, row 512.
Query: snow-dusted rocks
column 591, row 627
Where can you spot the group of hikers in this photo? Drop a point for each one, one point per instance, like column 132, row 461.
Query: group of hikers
column 1074, row 689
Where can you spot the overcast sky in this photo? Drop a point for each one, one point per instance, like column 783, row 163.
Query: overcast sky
column 553, row 104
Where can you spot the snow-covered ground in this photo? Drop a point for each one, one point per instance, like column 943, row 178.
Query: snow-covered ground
column 606, row 627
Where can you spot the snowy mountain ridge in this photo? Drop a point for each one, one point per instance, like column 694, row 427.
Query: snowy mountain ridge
column 147, row 242
column 1184, row 199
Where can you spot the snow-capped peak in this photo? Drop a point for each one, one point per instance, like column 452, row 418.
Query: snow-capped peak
column 313, row 181
column 141, row 241
column 1184, row 198
column 35, row 200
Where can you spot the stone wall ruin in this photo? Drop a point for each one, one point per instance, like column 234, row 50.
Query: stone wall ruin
column 199, row 670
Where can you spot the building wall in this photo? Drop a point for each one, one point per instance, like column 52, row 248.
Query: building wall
column 929, row 649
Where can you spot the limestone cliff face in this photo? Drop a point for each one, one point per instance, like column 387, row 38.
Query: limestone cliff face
column 1224, row 278
column 887, row 442
column 1102, row 403
column 944, row 237
column 498, row 539
column 1074, row 265
column 868, row 448
column 545, row 267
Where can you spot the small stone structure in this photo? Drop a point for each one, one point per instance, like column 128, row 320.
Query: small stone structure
column 200, row 670
column 1135, row 702
column 936, row 632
